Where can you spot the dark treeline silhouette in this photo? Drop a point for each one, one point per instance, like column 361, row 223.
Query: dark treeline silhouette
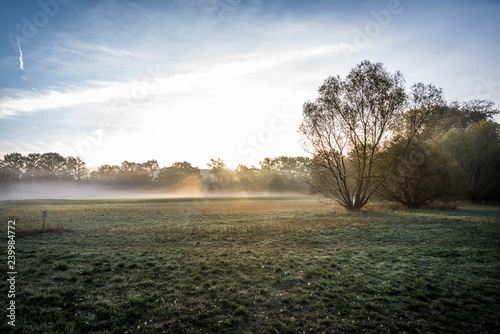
column 273, row 175
column 372, row 138
column 455, row 155
column 41, row 167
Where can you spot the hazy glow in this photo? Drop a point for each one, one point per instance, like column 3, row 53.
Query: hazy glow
column 157, row 83
column 190, row 80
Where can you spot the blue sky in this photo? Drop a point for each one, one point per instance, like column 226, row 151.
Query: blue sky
column 193, row 80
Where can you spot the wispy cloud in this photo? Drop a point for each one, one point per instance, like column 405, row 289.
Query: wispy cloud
column 21, row 62
column 160, row 82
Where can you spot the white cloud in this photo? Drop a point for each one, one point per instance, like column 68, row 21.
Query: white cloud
column 21, row 62
column 193, row 111
column 158, row 82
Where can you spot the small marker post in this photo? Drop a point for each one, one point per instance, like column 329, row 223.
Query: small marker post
column 44, row 224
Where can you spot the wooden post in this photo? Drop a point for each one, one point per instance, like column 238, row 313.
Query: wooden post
column 44, row 224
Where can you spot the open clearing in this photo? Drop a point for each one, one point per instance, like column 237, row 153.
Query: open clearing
column 254, row 265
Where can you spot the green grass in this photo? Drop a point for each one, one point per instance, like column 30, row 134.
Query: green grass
column 261, row 265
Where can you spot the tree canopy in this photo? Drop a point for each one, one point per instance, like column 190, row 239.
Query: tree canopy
column 281, row 174
column 351, row 121
column 477, row 152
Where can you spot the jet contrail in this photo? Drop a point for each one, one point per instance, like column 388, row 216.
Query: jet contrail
column 21, row 63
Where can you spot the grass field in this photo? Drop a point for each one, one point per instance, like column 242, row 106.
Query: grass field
column 255, row 265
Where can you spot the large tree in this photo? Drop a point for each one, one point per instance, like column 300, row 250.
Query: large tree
column 13, row 166
column 135, row 173
column 426, row 174
column 477, row 151
column 224, row 176
column 75, row 168
column 350, row 122
column 9, row 174
column 51, row 166
column 179, row 172
column 105, row 173
column 285, row 173
column 475, row 111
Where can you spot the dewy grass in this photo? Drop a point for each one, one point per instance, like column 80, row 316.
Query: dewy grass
column 265, row 265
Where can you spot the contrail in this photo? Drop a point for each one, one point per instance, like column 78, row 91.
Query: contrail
column 21, row 63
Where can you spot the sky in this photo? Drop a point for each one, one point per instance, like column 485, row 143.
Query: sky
column 180, row 80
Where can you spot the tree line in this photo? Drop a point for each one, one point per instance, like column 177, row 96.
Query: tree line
column 275, row 175
column 16, row 167
column 371, row 138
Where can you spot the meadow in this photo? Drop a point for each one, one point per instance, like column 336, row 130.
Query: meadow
column 250, row 265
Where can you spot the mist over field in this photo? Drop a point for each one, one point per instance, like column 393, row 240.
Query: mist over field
column 58, row 190
column 70, row 190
